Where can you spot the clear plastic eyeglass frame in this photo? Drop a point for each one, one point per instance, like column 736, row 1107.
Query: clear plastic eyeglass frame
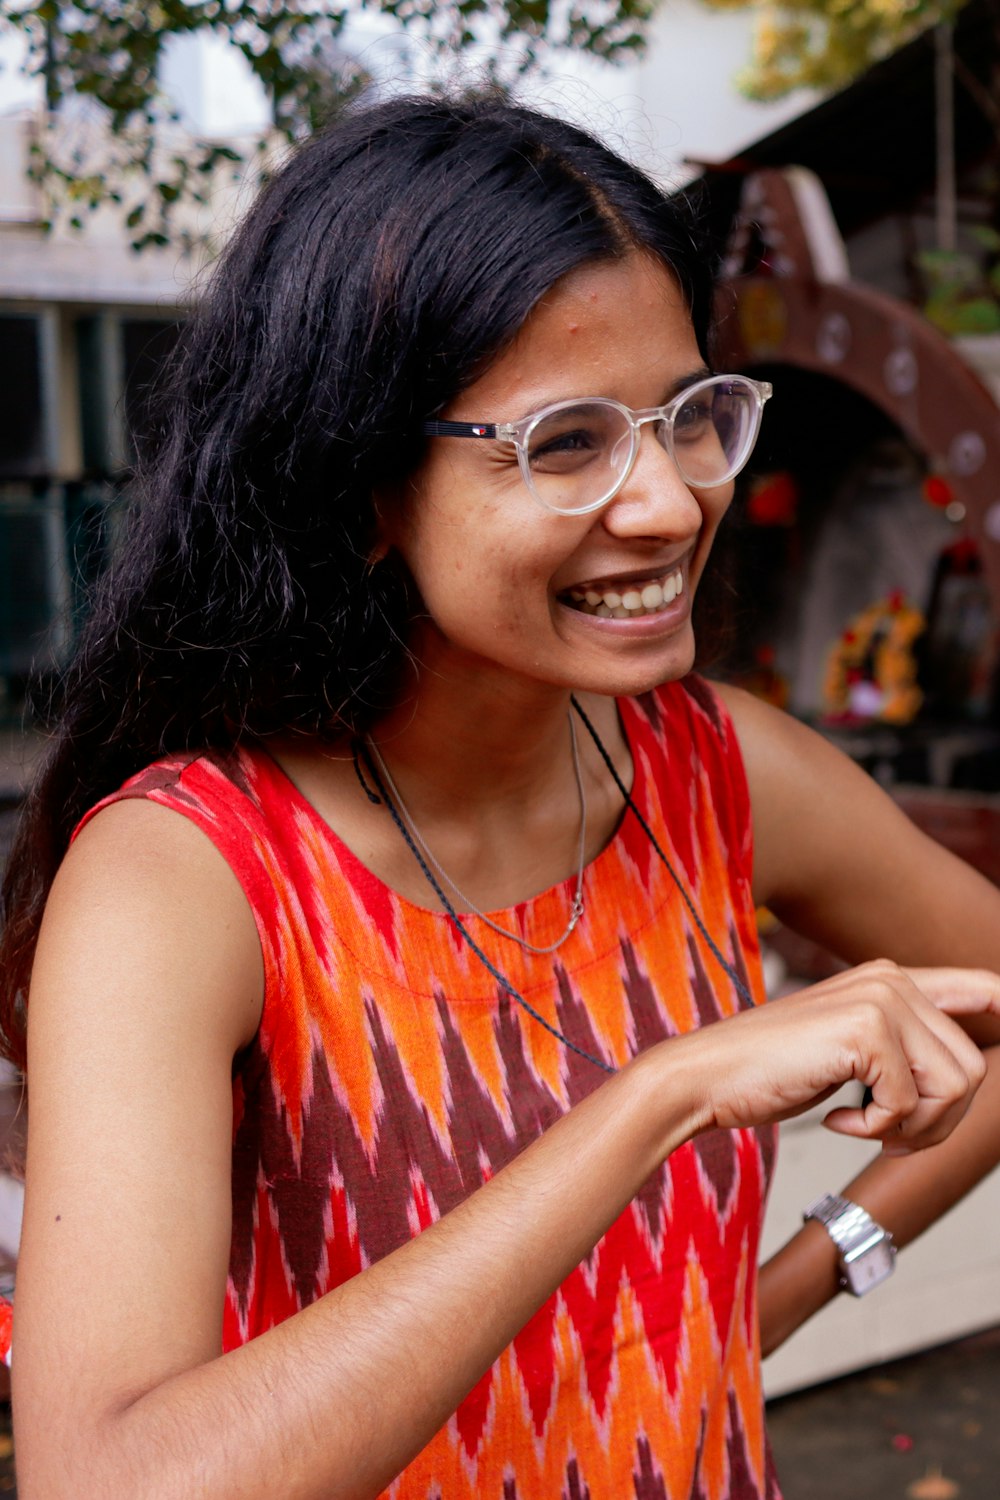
column 519, row 434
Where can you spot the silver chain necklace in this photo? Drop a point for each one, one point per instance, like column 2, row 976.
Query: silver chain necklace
column 576, row 907
column 366, row 750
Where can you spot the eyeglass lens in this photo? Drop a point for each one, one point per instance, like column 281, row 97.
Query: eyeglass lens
column 579, row 453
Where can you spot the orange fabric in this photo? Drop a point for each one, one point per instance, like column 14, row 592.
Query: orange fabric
column 391, row 1076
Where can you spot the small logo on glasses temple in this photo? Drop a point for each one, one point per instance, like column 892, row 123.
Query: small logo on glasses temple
column 479, row 431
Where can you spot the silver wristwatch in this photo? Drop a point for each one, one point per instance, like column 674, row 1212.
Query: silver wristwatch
column 867, row 1254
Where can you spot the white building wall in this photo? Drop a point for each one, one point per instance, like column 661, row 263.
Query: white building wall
column 691, row 104
column 678, row 102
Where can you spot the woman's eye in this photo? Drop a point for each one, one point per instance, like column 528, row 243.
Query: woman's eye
column 692, row 418
column 574, row 444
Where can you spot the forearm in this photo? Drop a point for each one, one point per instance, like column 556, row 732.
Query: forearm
column 334, row 1402
column 904, row 1194
column 340, row 1397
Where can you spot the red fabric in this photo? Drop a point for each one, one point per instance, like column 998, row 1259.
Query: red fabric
column 391, row 1076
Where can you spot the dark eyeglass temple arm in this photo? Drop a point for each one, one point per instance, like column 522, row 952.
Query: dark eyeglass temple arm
column 459, row 429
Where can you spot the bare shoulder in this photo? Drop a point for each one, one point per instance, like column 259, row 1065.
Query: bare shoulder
column 143, row 887
column 794, row 774
column 791, row 769
column 766, row 732
column 835, row 857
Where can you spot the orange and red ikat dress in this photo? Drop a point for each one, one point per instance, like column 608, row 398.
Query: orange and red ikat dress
column 391, row 1076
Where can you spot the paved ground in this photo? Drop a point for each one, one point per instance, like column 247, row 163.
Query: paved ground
column 925, row 1428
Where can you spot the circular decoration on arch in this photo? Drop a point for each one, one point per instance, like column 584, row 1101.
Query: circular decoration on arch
column 966, row 454
column 833, row 339
column 991, row 522
column 900, row 372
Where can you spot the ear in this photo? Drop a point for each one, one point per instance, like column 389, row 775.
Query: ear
column 380, row 542
column 386, row 506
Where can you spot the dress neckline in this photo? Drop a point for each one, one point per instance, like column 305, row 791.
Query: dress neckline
column 514, row 915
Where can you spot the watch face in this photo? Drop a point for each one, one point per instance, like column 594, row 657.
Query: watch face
column 870, row 1267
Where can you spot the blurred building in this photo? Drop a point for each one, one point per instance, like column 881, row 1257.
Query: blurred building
column 875, row 495
column 83, row 323
column 865, row 550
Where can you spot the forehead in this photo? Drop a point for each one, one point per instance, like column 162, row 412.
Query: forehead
column 611, row 328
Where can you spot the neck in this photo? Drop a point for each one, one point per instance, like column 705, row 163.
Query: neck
column 503, row 801
column 476, row 742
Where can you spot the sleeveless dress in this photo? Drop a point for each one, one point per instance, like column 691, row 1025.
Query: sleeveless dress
column 391, row 1076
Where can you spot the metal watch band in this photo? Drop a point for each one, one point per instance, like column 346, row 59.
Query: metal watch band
column 843, row 1220
column 866, row 1252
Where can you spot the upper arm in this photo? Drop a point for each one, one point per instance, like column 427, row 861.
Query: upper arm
column 835, row 858
column 147, row 980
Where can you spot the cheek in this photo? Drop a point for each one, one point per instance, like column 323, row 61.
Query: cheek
column 714, row 505
column 717, row 502
column 459, row 569
column 472, row 551
column 434, row 538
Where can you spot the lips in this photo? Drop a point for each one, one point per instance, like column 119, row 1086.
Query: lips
column 627, row 601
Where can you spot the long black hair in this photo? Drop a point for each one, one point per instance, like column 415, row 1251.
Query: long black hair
column 375, row 278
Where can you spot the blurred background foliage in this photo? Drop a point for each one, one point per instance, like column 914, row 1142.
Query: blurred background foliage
column 824, row 44
column 113, row 136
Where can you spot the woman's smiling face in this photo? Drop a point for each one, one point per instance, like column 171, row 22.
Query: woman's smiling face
column 511, row 588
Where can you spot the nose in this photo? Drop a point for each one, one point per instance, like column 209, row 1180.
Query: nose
column 655, row 500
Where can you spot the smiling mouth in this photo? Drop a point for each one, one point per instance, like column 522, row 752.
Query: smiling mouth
column 629, row 602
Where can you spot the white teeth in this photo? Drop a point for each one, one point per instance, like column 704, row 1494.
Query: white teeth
column 634, row 602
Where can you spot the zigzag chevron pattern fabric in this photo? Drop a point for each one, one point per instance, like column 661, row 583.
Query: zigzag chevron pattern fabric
column 391, row 1076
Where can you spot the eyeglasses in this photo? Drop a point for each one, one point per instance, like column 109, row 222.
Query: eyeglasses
column 576, row 455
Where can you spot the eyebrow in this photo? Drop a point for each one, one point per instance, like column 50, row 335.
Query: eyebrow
column 680, row 384
column 466, row 427
column 685, row 380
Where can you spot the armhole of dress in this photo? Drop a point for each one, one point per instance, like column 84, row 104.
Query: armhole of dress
column 258, row 890
column 703, row 696
column 741, row 805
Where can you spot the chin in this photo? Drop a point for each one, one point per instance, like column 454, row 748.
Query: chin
column 632, row 679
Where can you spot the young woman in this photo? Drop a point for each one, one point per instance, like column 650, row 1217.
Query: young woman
column 402, row 1098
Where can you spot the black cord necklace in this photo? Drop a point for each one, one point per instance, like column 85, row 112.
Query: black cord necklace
column 740, row 987
column 379, row 795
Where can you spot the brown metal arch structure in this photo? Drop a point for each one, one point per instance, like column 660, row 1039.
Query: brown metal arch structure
column 874, row 343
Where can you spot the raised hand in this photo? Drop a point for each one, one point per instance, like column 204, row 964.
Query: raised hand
column 887, row 1027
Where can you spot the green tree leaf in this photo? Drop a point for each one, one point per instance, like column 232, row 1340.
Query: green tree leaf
column 112, row 137
column 824, row 44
